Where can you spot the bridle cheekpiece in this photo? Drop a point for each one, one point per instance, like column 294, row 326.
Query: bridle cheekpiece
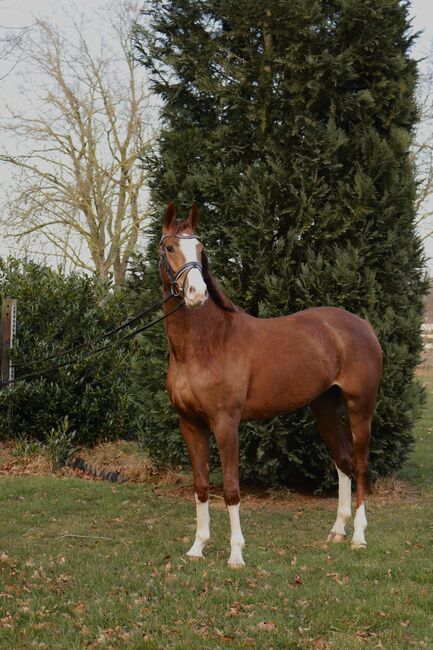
column 177, row 288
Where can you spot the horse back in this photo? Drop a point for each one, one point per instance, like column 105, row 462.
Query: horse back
column 296, row 358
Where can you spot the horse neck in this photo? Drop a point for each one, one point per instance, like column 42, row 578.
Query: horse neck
column 195, row 331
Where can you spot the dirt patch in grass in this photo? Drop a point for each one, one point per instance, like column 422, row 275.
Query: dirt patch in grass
column 124, row 458
column 387, row 491
column 129, row 462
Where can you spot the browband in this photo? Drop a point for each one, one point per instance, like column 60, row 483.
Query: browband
column 180, row 237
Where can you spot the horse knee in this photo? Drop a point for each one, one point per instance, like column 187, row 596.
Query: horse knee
column 202, row 492
column 345, row 464
column 231, row 495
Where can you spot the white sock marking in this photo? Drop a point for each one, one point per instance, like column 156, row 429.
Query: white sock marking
column 202, row 534
column 360, row 524
column 344, row 510
column 236, row 539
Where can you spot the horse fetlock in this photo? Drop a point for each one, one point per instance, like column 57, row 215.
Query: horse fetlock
column 236, row 545
column 358, row 539
column 359, row 526
column 358, row 545
column 202, row 538
column 338, row 530
column 196, row 550
column 201, row 493
column 236, row 560
column 344, row 514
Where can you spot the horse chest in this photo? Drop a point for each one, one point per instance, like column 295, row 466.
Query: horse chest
column 185, row 386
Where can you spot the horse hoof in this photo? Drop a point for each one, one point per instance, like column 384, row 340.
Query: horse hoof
column 236, row 565
column 336, row 538
column 195, row 555
column 358, row 546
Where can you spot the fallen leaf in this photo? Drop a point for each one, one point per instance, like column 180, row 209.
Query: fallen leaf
column 337, row 579
column 266, row 625
column 297, row 581
column 79, row 608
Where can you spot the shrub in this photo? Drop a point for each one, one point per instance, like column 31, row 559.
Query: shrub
column 55, row 313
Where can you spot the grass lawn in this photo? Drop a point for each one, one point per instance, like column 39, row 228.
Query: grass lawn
column 94, row 565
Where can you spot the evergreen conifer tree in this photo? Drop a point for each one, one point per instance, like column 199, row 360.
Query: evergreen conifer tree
column 289, row 123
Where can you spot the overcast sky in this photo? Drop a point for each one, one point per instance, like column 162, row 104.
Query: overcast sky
column 15, row 14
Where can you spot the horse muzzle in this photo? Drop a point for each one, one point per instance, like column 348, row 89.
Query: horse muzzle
column 195, row 293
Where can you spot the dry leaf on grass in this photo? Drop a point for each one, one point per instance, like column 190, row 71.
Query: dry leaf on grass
column 267, row 626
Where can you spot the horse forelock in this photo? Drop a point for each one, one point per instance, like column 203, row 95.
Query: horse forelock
column 182, row 228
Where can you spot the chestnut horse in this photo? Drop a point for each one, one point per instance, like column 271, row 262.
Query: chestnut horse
column 227, row 367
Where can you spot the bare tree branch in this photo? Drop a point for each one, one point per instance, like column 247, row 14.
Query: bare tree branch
column 422, row 151
column 78, row 175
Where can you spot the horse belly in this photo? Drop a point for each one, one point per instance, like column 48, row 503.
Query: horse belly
column 278, row 388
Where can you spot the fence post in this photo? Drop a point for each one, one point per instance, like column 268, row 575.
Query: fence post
column 8, row 331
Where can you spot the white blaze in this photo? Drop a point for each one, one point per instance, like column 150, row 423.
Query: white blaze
column 194, row 277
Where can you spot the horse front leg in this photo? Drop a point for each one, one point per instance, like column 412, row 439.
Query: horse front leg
column 197, row 442
column 226, row 434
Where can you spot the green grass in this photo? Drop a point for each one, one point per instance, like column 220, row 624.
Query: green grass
column 418, row 470
column 92, row 565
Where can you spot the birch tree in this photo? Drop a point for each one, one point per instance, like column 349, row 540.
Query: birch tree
column 79, row 184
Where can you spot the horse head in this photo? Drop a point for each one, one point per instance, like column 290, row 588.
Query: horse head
column 181, row 257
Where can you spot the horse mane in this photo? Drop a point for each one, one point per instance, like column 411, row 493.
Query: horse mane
column 213, row 287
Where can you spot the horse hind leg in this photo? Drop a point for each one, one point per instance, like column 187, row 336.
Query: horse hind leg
column 332, row 420
column 360, row 423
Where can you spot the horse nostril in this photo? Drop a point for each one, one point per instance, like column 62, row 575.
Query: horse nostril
column 191, row 291
column 206, row 293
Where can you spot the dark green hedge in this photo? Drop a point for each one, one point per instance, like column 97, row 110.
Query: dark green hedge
column 57, row 312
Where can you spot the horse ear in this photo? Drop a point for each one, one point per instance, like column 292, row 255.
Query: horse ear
column 169, row 215
column 194, row 216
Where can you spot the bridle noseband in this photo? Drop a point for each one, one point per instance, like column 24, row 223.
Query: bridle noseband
column 177, row 288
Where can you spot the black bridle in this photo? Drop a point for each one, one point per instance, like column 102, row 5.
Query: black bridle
column 177, row 288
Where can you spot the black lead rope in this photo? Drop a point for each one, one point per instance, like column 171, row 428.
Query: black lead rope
column 128, row 336
column 87, row 344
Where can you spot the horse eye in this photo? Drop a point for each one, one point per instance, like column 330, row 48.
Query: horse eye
column 170, row 249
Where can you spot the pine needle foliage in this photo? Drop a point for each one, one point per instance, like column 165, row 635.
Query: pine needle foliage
column 289, row 122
